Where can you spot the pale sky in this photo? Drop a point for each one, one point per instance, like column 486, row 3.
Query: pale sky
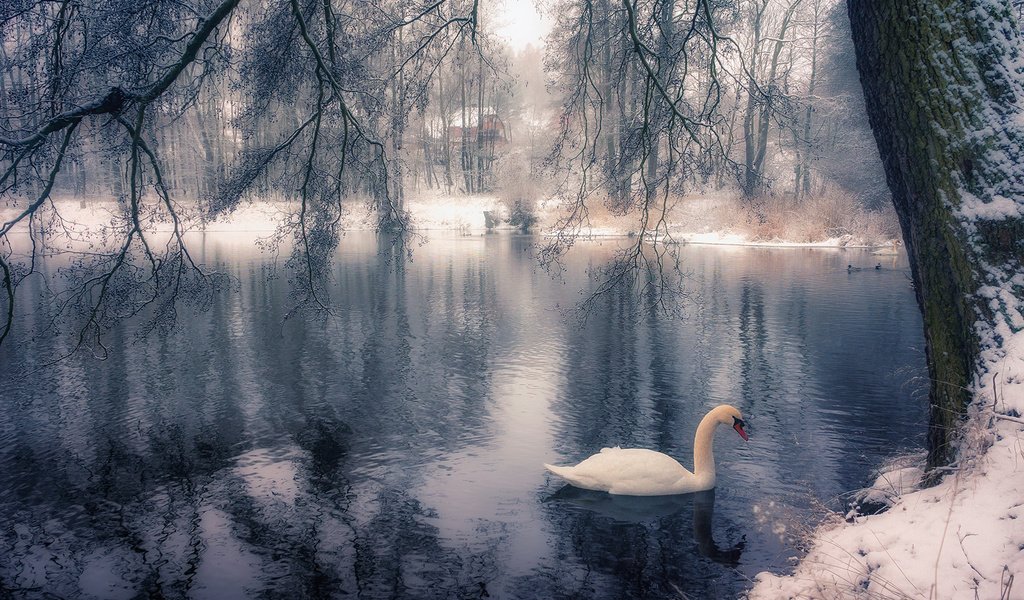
column 519, row 22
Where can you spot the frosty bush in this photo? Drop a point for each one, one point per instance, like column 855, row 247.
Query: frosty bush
column 518, row 189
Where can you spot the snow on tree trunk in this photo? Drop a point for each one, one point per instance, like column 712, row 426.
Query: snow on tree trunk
column 943, row 87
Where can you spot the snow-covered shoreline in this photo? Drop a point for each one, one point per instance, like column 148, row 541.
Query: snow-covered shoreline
column 962, row 538
column 464, row 215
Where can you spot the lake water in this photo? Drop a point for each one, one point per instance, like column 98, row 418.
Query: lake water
column 394, row 449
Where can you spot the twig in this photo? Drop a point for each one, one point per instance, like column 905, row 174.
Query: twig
column 1005, row 583
column 1009, row 418
column 964, row 550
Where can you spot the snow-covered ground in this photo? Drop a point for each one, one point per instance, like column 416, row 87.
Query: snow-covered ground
column 690, row 224
column 963, row 538
column 428, row 213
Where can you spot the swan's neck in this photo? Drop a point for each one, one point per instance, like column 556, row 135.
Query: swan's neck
column 703, row 455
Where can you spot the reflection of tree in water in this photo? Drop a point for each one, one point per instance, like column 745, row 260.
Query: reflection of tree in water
column 150, row 472
column 149, row 481
column 147, row 511
column 97, row 458
column 411, row 352
column 755, row 366
column 602, row 372
column 624, row 378
column 399, row 555
column 459, row 320
column 711, row 308
column 140, row 510
column 631, row 547
column 666, row 395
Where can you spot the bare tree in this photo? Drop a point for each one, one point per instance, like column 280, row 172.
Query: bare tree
column 764, row 71
column 109, row 78
column 642, row 89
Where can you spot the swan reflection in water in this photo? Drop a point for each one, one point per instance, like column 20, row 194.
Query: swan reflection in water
column 645, row 509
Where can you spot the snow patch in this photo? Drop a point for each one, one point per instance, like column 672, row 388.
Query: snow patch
column 886, row 490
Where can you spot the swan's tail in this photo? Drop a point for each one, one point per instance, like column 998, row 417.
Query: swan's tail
column 563, row 472
column 576, row 478
column 560, row 471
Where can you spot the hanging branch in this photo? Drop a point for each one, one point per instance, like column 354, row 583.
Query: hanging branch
column 174, row 63
column 626, row 105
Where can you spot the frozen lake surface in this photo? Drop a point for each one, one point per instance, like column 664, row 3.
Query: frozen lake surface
column 394, row 450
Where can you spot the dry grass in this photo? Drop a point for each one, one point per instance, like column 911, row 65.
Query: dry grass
column 833, row 214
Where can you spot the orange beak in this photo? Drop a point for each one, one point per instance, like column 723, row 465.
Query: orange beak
column 739, row 429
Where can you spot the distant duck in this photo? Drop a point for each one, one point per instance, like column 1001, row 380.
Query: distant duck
column 878, row 267
column 851, row 268
column 641, row 472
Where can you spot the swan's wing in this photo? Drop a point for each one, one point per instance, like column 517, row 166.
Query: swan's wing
column 625, row 471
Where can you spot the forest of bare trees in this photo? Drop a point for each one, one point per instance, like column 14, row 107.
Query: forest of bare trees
column 179, row 112
column 763, row 93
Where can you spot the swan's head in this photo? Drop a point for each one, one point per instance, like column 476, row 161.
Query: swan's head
column 738, row 424
column 728, row 415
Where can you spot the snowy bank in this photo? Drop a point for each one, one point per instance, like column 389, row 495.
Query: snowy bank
column 834, row 222
column 701, row 220
column 963, row 538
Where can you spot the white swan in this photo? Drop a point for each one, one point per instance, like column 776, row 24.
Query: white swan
column 639, row 472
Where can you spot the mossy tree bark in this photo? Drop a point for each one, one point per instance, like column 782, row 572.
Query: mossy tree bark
column 942, row 83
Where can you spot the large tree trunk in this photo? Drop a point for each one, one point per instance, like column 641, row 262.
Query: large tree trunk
column 944, row 105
